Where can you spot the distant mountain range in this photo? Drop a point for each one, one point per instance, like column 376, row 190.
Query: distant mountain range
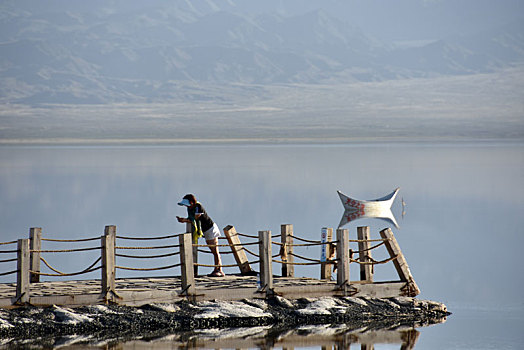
column 165, row 51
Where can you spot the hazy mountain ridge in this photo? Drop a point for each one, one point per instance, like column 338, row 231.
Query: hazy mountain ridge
column 150, row 54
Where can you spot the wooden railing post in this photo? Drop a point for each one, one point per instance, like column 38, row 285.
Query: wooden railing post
column 35, row 245
column 108, row 262
column 266, row 263
column 400, row 262
column 22, row 275
column 343, row 259
column 366, row 270
column 238, row 250
column 286, row 237
column 189, row 229
column 186, row 260
column 326, row 253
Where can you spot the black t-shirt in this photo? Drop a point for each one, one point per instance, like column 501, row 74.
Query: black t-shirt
column 205, row 221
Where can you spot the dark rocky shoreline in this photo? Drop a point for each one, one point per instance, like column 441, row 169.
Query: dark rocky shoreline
column 122, row 322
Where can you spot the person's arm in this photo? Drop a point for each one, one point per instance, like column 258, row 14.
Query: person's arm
column 183, row 219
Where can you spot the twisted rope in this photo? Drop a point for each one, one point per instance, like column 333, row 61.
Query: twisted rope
column 146, row 268
column 305, row 240
column 11, row 242
column 67, row 274
column 8, row 251
column 147, row 256
column 295, row 263
column 8, row 260
column 155, row 247
column 204, row 265
column 148, row 238
column 250, row 252
column 65, row 250
column 8, row 273
column 71, row 240
column 373, row 262
column 224, row 245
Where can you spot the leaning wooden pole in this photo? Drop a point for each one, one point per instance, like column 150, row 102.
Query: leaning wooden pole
column 286, row 238
column 108, row 263
column 401, row 265
column 343, row 259
column 22, row 275
column 266, row 261
column 35, row 245
column 238, row 250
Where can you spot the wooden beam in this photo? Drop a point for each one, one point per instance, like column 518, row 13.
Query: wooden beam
column 35, row 245
column 400, row 262
column 238, row 250
column 186, row 260
column 22, row 276
column 286, row 238
column 108, row 262
column 189, row 229
column 266, row 260
column 343, row 259
column 366, row 271
column 327, row 252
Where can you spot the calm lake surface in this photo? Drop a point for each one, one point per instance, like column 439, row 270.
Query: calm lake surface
column 461, row 233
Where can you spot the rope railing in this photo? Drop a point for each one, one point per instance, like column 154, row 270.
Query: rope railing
column 8, row 273
column 60, row 273
column 154, row 247
column 147, row 268
column 147, row 256
column 110, row 251
column 63, row 250
column 148, row 238
column 71, row 240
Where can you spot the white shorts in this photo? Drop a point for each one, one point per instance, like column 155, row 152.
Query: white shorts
column 212, row 233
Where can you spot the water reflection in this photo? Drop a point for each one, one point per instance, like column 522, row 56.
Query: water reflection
column 339, row 336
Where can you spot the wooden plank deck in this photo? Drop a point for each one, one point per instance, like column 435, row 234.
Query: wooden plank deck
column 140, row 291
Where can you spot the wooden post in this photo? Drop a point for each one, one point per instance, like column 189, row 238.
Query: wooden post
column 366, row 271
column 108, row 262
column 286, row 237
column 327, row 251
column 266, row 263
column 35, row 244
column 343, row 259
column 22, row 275
column 189, row 229
column 186, row 260
column 400, row 262
column 237, row 250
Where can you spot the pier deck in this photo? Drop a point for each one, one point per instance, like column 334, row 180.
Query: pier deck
column 140, row 291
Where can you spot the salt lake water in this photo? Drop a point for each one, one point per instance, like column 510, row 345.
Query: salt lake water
column 462, row 231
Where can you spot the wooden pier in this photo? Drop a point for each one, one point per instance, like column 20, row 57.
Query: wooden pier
column 29, row 254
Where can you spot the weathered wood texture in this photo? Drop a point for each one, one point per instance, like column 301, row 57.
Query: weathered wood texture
column 400, row 262
column 186, row 259
column 266, row 263
column 238, row 251
column 22, row 276
column 141, row 291
column 108, row 261
column 342, row 258
column 366, row 270
column 286, row 238
column 35, row 245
